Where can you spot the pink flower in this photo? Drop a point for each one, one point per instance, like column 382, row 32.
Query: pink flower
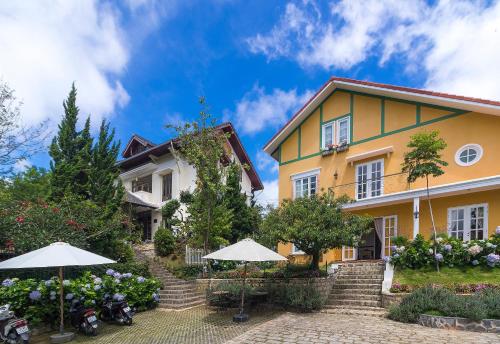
column 20, row 219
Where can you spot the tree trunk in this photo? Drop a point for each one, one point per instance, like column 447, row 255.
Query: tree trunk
column 432, row 220
column 315, row 261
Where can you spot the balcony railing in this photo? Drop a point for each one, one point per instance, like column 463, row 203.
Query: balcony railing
column 389, row 183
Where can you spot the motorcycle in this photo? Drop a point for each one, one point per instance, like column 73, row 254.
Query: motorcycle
column 118, row 311
column 12, row 329
column 83, row 318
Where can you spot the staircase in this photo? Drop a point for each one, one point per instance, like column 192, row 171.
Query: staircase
column 357, row 290
column 175, row 293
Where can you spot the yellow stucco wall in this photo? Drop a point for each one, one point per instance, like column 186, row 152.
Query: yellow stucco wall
column 310, row 129
column 398, row 115
column 290, row 148
column 336, row 105
column 367, row 121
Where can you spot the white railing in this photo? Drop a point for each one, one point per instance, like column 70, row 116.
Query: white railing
column 193, row 256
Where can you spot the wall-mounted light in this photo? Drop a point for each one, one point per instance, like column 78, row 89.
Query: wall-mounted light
column 335, row 175
column 416, row 213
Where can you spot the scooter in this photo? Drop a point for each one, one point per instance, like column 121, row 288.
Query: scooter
column 13, row 330
column 118, row 311
column 84, row 319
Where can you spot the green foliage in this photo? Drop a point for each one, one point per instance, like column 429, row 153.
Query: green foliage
column 164, row 242
column 203, row 146
column 38, row 300
column 81, row 169
column 171, row 214
column 32, row 225
column 30, row 185
column 246, row 219
column 450, row 252
column 71, row 153
column 424, row 158
column 314, row 225
column 105, row 188
column 186, row 272
column 481, row 305
column 301, row 298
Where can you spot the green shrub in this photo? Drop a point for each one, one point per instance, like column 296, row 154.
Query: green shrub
column 301, row 298
column 164, row 242
column 451, row 252
column 38, row 300
column 186, row 272
column 481, row 305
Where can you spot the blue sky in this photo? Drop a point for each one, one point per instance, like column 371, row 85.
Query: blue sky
column 143, row 63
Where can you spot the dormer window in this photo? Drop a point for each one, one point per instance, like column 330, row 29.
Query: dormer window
column 336, row 132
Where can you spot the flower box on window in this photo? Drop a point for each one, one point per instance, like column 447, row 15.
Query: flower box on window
column 342, row 147
column 330, row 149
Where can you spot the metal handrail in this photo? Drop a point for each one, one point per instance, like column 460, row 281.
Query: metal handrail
column 330, row 188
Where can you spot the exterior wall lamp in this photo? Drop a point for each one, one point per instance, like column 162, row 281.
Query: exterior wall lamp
column 416, row 213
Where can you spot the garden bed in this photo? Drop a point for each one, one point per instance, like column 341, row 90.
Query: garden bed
column 456, row 323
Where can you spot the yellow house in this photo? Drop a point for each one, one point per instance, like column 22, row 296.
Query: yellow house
column 350, row 138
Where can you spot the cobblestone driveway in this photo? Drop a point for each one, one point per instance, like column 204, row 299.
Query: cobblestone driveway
column 329, row 328
column 198, row 325
column 203, row 326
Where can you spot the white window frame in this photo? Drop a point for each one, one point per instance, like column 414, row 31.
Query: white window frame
column 354, row 253
column 337, row 131
column 384, row 219
column 474, row 146
column 335, row 124
column 467, row 218
column 302, row 176
column 369, row 180
column 323, row 133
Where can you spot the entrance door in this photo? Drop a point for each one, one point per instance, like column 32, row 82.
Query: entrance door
column 349, row 253
column 390, row 225
column 144, row 220
column 468, row 223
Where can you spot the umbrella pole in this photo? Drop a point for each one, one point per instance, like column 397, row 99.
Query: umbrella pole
column 61, row 300
column 243, row 290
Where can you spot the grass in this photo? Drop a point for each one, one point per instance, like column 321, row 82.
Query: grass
column 448, row 276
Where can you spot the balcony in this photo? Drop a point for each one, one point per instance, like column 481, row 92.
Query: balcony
column 373, row 188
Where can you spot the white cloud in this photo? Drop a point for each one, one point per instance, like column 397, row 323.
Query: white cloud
column 455, row 45
column 266, row 163
column 269, row 196
column 21, row 165
column 258, row 110
column 47, row 45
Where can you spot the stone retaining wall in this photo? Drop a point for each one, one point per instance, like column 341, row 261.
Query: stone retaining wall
column 485, row 325
column 322, row 284
column 389, row 299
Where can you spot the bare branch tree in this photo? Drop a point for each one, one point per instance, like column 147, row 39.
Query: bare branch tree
column 18, row 142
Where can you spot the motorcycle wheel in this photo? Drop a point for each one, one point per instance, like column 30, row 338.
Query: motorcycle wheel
column 14, row 338
column 128, row 321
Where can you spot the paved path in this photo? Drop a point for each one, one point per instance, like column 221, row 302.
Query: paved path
column 203, row 326
column 198, row 325
column 322, row 328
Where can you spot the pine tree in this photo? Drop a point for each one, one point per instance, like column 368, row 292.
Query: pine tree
column 70, row 151
column 245, row 218
column 103, row 186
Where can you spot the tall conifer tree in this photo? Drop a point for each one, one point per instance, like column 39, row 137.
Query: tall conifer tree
column 105, row 188
column 71, row 153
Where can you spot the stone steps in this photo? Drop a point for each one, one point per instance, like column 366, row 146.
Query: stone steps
column 355, row 302
column 175, row 293
column 360, row 311
column 367, row 297
column 357, row 289
column 360, row 291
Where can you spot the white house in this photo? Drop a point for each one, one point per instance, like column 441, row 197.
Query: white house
column 152, row 174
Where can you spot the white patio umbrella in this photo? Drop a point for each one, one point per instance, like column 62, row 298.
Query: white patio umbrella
column 246, row 251
column 58, row 254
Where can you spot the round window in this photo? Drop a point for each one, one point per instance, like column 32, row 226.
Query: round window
column 468, row 154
